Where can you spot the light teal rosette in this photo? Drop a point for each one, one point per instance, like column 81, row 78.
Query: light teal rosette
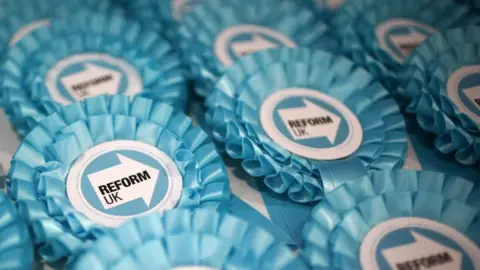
column 145, row 64
column 360, row 24
column 439, row 108
column 208, row 33
column 16, row 247
column 233, row 111
column 42, row 164
column 24, row 13
column 339, row 224
column 182, row 238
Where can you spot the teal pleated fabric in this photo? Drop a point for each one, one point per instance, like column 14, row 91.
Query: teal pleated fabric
column 16, row 247
column 58, row 173
column 234, row 112
column 435, row 206
column 200, row 239
column 86, row 55
column 439, row 81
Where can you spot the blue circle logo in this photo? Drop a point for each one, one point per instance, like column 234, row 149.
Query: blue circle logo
column 241, row 40
column 86, row 75
column 399, row 37
column 123, row 179
column 311, row 124
column 415, row 243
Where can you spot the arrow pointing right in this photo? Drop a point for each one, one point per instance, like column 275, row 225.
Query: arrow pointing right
column 118, row 180
column 311, row 121
column 424, row 253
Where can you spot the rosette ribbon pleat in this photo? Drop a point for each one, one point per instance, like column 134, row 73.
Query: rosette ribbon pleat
column 233, row 111
column 41, row 165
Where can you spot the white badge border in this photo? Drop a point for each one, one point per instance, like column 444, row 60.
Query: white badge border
column 78, row 200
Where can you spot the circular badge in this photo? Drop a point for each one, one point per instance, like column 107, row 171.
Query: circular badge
column 27, row 29
column 311, row 124
column 238, row 41
column 115, row 181
column 90, row 74
column 417, row 243
column 399, row 37
column 463, row 88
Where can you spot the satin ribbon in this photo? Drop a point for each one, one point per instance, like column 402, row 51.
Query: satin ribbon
column 180, row 237
column 356, row 22
column 26, row 98
column 234, row 106
column 429, row 70
column 42, row 162
column 16, row 247
column 200, row 28
column 340, row 222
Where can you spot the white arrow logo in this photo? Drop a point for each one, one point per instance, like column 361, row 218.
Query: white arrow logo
column 310, row 122
column 473, row 93
column 422, row 254
column 125, row 182
column 257, row 43
column 93, row 80
column 408, row 42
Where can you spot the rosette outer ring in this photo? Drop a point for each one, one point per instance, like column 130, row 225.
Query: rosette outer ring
column 357, row 31
column 150, row 59
column 205, row 33
column 37, row 178
column 437, row 109
column 180, row 237
column 16, row 247
column 236, row 122
column 339, row 223
column 22, row 13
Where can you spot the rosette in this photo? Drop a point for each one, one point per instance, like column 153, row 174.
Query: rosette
column 180, row 239
column 25, row 16
column 87, row 55
column 444, row 75
column 101, row 161
column 16, row 248
column 380, row 35
column 299, row 130
column 215, row 33
column 394, row 219
column 171, row 13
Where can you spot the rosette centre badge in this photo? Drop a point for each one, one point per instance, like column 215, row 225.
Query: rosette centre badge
column 115, row 181
column 399, row 37
column 417, row 243
column 90, row 74
column 238, row 41
column 463, row 88
column 311, row 124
